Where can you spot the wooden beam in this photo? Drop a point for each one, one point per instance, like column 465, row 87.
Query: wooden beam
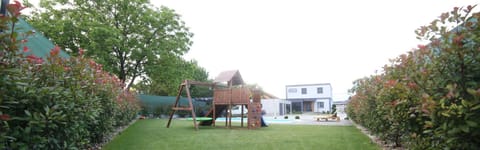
column 191, row 104
column 200, row 83
column 180, row 88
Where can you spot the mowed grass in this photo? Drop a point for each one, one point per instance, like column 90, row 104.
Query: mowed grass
column 152, row 135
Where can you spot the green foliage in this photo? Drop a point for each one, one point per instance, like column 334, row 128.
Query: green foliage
column 168, row 74
column 127, row 36
column 57, row 104
column 334, row 109
column 430, row 97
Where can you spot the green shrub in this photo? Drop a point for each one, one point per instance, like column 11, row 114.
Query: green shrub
column 56, row 103
column 430, row 97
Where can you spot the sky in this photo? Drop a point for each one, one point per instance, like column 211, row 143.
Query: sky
column 274, row 43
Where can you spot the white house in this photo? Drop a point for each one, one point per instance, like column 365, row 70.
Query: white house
column 310, row 97
column 341, row 108
column 276, row 107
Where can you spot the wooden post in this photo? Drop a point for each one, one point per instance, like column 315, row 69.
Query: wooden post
column 180, row 88
column 230, row 105
column 213, row 106
column 175, row 107
column 241, row 119
column 187, row 86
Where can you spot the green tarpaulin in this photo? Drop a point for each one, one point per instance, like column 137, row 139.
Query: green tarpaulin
column 151, row 101
column 37, row 43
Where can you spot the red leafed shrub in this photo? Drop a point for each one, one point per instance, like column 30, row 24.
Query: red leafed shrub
column 56, row 103
column 428, row 98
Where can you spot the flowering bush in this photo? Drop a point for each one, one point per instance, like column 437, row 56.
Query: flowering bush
column 430, row 97
column 55, row 103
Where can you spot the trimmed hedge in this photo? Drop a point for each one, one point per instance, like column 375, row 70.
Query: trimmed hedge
column 56, row 103
column 430, row 97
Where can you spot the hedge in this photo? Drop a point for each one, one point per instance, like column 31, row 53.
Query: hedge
column 55, row 103
column 428, row 98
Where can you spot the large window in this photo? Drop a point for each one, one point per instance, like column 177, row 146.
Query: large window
column 319, row 90
column 320, row 105
column 296, row 107
column 304, row 90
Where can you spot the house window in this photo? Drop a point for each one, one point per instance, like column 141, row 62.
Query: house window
column 319, row 90
column 292, row 90
column 320, row 105
column 304, row 90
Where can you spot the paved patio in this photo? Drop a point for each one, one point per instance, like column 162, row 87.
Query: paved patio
column 306, row 119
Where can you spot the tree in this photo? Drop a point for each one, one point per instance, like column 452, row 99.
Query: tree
column 334, row 109
column 169, row 73
column 126, row 36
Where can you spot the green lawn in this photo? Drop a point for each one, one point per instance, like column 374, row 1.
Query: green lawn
column 152, row 135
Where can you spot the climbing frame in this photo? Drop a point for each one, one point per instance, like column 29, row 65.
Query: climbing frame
column 186, row 86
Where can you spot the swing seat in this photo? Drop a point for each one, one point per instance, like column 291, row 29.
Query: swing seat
column 200, row 118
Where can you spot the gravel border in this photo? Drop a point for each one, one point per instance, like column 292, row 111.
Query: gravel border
column 374, row 139
column 110, row 137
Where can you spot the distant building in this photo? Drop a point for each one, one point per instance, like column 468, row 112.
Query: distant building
column 310, row 97
column 276, row 107
column 341, row 108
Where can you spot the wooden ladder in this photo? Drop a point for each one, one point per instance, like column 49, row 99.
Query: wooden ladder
column 185, row 85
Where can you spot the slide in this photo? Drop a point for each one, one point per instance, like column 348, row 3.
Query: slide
column 218, row 111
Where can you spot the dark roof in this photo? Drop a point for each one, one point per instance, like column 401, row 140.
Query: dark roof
column 266, row 95
column 231, row 75
column 38, row 44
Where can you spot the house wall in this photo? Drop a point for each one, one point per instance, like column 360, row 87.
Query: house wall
column 341, row 108
column 341, row 111
column 326, row 105
column 275, row 107
column 295, row 91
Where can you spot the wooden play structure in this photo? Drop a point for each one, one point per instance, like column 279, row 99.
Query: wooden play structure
column 229, row 90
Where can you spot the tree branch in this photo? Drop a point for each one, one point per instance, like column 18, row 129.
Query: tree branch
column 135, row 74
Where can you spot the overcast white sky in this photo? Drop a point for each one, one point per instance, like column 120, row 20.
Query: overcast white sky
column 282, row 42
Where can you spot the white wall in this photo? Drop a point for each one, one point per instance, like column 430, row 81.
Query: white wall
column 271, row 106
column 295, row 92
column 340, row 108
column 326, row 105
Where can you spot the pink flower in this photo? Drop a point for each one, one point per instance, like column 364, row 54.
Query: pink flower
column 469, row 7
column 15, row 9
column 92, row 63
column 458, row 40
column 391, row 83
column 455, row 9
column 421, row 47
column 34, row 59
column 55, row 51
column 4, row 117
column 412, row 85
column 25, row 49
column 80, row 51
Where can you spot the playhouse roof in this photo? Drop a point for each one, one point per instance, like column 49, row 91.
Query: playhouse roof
column 231, row 75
